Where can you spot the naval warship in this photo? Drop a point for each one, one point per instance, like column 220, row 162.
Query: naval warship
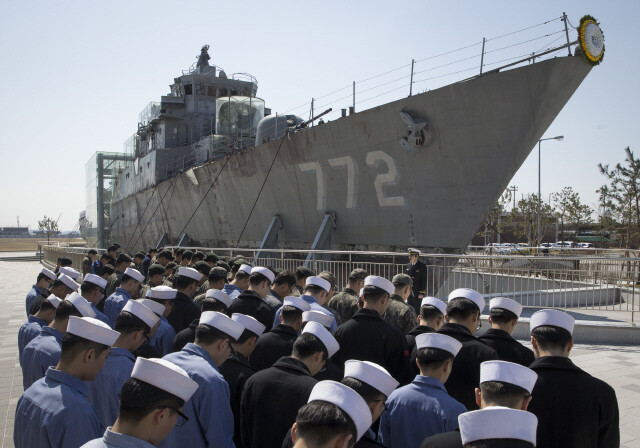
column 214, row 165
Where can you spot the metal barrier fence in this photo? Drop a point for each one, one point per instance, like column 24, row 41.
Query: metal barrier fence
column 556, row 281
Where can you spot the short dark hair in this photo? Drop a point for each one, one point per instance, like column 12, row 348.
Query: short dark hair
column 202, row 267
column 502, row 316
column 107, row 269
column 429, row 312
column 503, row 394
column 307, row 345
column 92, row 251
column 206, row 334
column 373, row 293
column 314, row 289
column 182, row 281
column 358, row 274
column 125, row 278
column 127, row 323
column 303, row 272
column 291, row 313
column 433, row 357
column 328, row 276
column 217, row 273
column 551, row 337
column 500, row 443
column 46, row 306
column 211, row 304
column 318, row 422
column 66, row 309
column 65, row 261
column 256, row 278
column 41, row 276
column 73, row 345
column 366, row 391
column 246, row 335
column 461, row 308
column 187, row 255
column 88, row 287
column 285, row 277
column 138, row 399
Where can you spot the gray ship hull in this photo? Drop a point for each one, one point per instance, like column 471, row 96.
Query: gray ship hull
column 384, row 196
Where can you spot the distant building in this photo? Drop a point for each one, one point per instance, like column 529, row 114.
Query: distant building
column 14, row 232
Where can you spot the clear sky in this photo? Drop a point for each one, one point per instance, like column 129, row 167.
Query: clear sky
column 75, row 75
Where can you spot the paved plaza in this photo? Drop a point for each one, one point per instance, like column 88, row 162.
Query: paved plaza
column 618, row 365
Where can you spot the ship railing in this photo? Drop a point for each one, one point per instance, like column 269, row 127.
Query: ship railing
column 593, row 284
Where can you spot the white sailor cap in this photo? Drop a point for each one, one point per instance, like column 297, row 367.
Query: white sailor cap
column 361, row 293
column 250, row 323
column 468, row 293
column 162, row 292
column 318, row 281
column 323, row 334
column 222, row 322
column 50, row 274
column 296, row 302
column 346, row 399
column 54, row 300
column 245, row 268
column 497, row 423
column 134, row 274
column 142, row 312
column 156, row 307
column 165, row 375
column 371, row 373
column 66, row 270
column 554, row 318
column 508, row 372
column 220, row 295
column 81, row 304
column 96, row 280
column 437, row 340
column 413, row 251
column 432, row 301
column 184, row 271
column 318, row 316
column 379, row 282
column 92, row 329
column 69, row 282
column 264, row 271
column 506, row 304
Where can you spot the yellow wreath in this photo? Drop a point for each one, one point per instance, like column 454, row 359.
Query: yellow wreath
column 591, row 40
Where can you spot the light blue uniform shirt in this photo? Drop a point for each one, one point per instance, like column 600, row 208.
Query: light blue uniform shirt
column 116, row 440
column 232, row 290
column 209, row 409
column 416, row 411
column 31, row 296
column 28, row 332
column 163, row 339
column 104, row 390
column 55, row 412
column 315, row 306
column 40, row 354
column 114, row 304
column 100, row 316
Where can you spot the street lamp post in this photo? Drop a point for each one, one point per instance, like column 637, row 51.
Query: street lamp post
column 559, row 138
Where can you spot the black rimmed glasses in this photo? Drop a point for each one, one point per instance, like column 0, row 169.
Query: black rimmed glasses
column 182, row 419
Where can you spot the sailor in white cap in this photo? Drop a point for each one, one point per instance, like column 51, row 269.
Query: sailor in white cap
column 272, row 397
column 151, row 404
column 503, row 317
column 430, row 319
column 161, row 298
column 54, row 412
column 61, row 287
column 43, row 282
column 279, row 341
column 67, row 270
column 134, row 323
column 502, row 384
column 334, row 416
column 574, row 409
column 463, row 319
column 92, row 289
column 32, row 327
column 316, row 294
column 498, row 427
column 237, row 370
column 129, row 288
column 423, row 408
column 210, row 417
column 240, row 281
column 184, row 310
column 330, row 370
column 368, row 337
column 251, row 303
column 417, row 270
column 44, row 350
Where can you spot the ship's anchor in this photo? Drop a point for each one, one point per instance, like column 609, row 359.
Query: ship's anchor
column 416, row 133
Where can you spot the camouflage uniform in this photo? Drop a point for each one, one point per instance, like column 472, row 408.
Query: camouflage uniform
column 112, row 283
column 202, row 289
column 146, row 288
column 87, row 265
column 400, row 315
column 345, row 304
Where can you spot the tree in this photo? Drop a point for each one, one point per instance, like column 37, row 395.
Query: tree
column 493, row 219
column 561, row 202
column 527, row 211
column 49, row 226
column 569, row 208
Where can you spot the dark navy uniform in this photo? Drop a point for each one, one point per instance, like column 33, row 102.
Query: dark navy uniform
column 507, row 347
column 330, row 371
column 270, row 402
column 367, row 337
column 465, row 373
column 183, row 313
column 418, row 274
column 451, row 439
column 573, row 408
column 185, row 336
column 272, row 346
column 411, row 343
column 236, row 371
column 250, row 303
